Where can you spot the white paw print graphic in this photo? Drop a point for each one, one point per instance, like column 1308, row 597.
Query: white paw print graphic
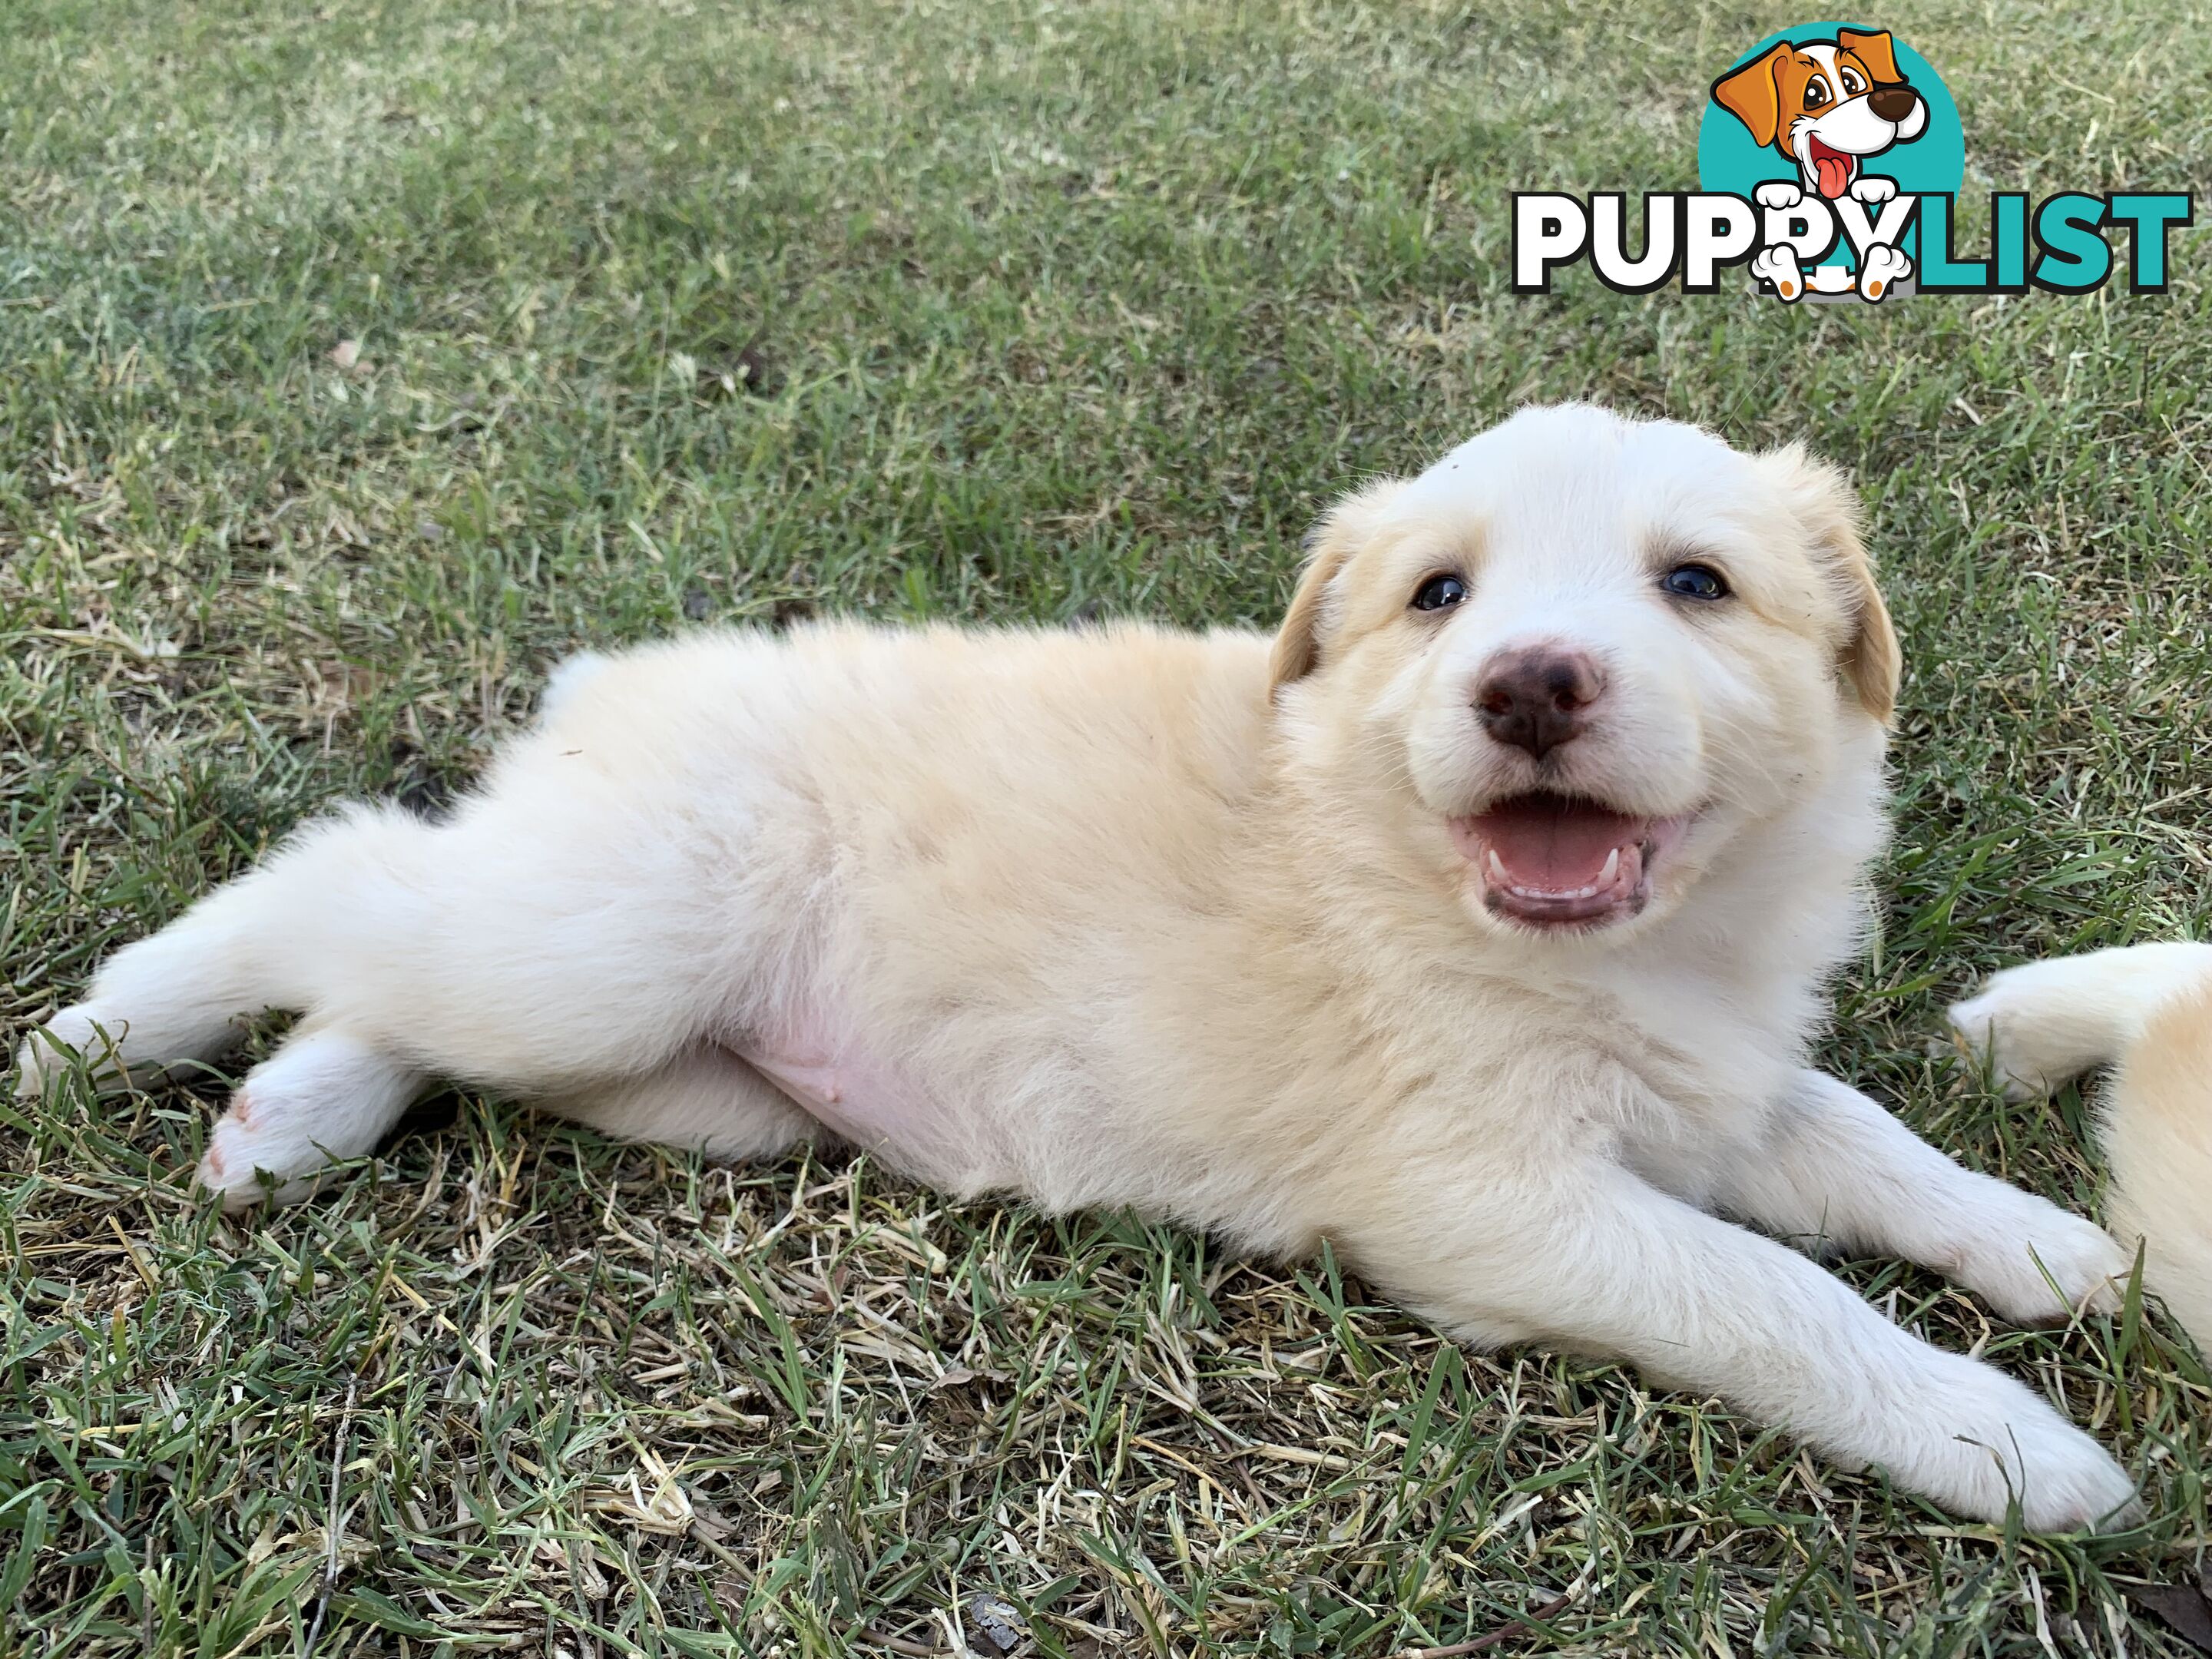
column 1777, row 267
column 1882, row 269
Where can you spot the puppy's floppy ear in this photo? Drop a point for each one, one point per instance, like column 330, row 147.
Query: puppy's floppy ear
column 1753, row 95
column 1829, row 512
column 1877, row 51
column 1341, row 531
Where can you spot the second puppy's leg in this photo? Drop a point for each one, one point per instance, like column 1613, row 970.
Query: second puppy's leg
column 2157, row 1130
column 1835, row 1166
column 2046, row 1021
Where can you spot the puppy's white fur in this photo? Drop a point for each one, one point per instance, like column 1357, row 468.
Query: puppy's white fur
column 1134, row 917
column 2147, row 1011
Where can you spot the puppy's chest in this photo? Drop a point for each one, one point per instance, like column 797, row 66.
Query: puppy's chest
column 1696, row 1073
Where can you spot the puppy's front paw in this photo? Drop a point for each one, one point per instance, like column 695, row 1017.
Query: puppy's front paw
column 1988, row 1442
column 1777, row 193
column 2064, row 1480
column 1882, row 269
column 2041, row 1265
column 1872, row 187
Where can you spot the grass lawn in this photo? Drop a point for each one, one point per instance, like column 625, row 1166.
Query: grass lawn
column 666, row 313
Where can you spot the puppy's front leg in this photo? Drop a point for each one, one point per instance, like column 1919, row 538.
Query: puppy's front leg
column 1595, row 1259
column 1834, row 1167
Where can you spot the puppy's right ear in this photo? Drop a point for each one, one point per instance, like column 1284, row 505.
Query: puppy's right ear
column 1753, row 95
column 1342, row 530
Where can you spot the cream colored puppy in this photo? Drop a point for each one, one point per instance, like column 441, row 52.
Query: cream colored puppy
column 1476, row 923
column 2146, row 1009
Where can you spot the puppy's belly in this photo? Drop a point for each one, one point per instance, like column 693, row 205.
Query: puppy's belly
column 862, row 1100
column 841, row 1083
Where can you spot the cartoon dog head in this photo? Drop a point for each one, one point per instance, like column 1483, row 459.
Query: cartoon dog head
column 1825, row 104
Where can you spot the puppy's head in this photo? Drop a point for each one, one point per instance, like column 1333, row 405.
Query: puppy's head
column 1825, row 104
column 1578, row 658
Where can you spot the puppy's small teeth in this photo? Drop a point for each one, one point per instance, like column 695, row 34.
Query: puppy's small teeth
column 1496, row 871
column 1611, row 869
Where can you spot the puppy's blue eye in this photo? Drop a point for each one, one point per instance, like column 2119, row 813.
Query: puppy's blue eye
column 1695, row 581
column 1440, row 594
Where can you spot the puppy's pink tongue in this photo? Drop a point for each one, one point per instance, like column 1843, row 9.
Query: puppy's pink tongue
column 1835, row 174
column 1549, row 844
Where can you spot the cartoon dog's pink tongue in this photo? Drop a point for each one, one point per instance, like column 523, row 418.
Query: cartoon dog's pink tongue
column 1831, row 168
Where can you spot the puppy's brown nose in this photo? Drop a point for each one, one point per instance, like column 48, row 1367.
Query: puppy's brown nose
column 1893, row 103
column 1537, row 699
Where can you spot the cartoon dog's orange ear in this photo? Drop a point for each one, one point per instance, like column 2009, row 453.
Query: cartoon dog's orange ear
column 1753, row 95
column 1877, row 51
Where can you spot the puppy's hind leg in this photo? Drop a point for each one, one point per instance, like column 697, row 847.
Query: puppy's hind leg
column 329, row 1094
column 326, row 1094
column 540, row 937
column 706, row 1098
column 2046, row 1021
column 186, row 994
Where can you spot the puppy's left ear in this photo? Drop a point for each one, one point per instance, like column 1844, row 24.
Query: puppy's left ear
column 1869, row 659
column 1342, row 530
column 1877, row 51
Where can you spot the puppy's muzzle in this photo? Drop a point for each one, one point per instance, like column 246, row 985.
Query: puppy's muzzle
column 1538, row 697
column 1894, row 102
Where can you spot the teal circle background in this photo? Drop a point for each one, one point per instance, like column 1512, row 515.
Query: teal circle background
column 1934, row 163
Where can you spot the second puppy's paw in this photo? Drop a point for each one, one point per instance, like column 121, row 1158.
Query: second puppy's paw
column 2033, row 1024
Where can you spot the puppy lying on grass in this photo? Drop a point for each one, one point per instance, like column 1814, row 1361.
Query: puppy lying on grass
column 1476, row 923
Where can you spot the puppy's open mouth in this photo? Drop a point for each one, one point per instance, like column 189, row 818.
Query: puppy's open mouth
column 1556, row 861
column 1833, row 170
